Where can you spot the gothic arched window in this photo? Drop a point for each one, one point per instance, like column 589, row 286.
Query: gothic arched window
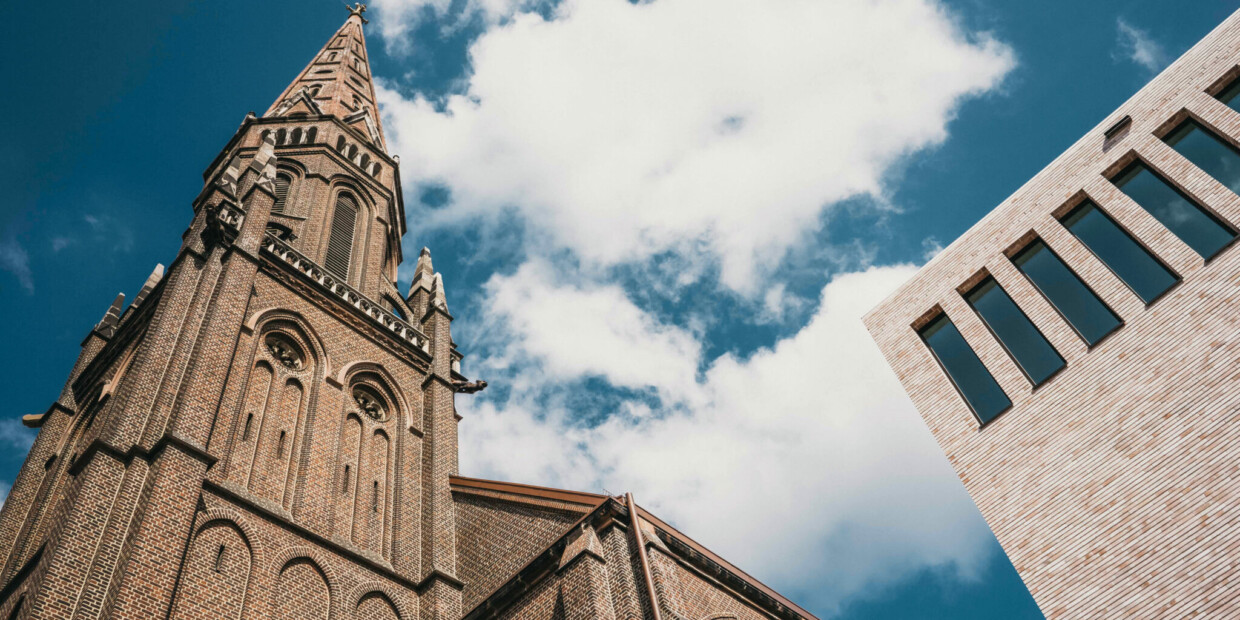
column 282, row 183
column 340, row 239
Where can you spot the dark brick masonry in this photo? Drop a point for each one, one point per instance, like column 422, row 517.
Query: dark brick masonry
column 269, row 429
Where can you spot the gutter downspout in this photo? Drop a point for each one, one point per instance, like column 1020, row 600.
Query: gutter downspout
column 641, row 555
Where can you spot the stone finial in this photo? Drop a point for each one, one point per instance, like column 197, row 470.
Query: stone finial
column 424, row 273
column 107, row 326
column 438, row 299
column 264, row 163
column 156, row 275
column 232, row 174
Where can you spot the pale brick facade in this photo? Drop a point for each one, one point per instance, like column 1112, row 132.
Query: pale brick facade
column 1113, row 486
column 269, row 429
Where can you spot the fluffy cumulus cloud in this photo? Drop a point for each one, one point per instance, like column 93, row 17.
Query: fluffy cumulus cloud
column 804, row 462
column 627, row 347
column 661, row 145
column 624, row 130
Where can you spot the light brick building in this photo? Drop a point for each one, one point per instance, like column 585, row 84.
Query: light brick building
column 1077, row 355
column 269, row 428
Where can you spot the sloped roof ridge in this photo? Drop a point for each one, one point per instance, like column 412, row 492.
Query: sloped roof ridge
column 550, row 554
column 527, row 490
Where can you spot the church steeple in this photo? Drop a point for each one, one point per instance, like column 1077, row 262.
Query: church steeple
column 337, row 82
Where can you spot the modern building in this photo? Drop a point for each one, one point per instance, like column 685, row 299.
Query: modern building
column 1077, row 355
column 269, row 428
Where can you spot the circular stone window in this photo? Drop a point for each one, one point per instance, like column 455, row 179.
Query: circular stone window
column 285, row 352
column 369, row 403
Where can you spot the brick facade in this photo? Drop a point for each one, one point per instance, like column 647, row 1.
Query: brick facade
column 269, row 429
column 1111, row 486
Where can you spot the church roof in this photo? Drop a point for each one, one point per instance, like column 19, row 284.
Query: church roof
column 598, row 511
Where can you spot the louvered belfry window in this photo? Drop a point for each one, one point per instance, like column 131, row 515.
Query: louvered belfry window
column 282, row 183
column 340, row 244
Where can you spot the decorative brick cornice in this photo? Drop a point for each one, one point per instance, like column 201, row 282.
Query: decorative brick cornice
column 338, row 290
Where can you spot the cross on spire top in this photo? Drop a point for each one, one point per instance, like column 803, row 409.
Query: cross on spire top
column 357, row 9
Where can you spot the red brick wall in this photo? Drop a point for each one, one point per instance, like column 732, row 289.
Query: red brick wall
column 496, row 537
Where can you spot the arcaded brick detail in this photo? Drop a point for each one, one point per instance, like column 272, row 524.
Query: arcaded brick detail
column 215, row 574
column 1112, row 486
column 495, row 537
column 376, row 606
column 301, row 592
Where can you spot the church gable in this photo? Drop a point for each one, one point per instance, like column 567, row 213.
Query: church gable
column 499, row 532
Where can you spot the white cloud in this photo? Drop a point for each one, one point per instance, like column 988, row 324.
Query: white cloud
column 15, row 260
column 4, row 492
column 804, row 463
column 575, row 331
column 397, row 18
column 14, row 436
column 624, row 130
column 1139, row 47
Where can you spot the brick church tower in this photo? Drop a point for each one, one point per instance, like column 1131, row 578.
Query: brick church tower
column 269, row 429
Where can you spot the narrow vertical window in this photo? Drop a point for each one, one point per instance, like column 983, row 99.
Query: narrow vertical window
column 1076, row 302
column 966, row 371
column 219, row 560
column 376, row 500
column 340, row 241
column 1031, row 350
column 1133, row 264
column 1207, row 151
column 1202, row 231
column 346, row 479
column 280, row 446
column 282, row 183
column 1231, row 95
column 245, row 432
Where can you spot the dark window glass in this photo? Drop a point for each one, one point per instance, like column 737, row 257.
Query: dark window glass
column 1231, row 96
column 1032, row 352
column 1209, row 152
column 1192, row 224
column 1147, row 277
column 1079, row 305
column 979, row 388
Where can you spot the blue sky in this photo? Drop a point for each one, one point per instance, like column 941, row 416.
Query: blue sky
column 658, row 225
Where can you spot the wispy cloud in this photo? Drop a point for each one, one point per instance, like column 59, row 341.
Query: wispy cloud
column 1136, row 45
column 4, row 491
column 15, row 260
column 61, row 242
column 14, row 436
column 106, row 229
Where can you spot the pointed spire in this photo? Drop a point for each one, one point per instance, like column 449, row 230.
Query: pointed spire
column 423, row 274
column 337, row 82
column 438, row 298
column 149, row 285
column 107, row 326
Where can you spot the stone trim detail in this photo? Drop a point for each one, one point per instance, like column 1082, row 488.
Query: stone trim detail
column 337, row 289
